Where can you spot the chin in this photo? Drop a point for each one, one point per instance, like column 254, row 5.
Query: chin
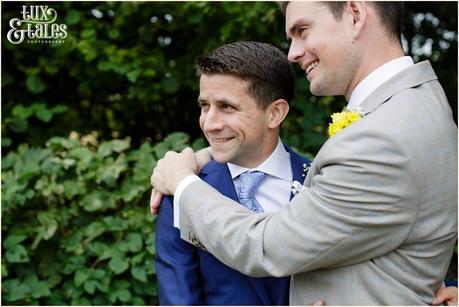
column 220, row 158
column 317, row 90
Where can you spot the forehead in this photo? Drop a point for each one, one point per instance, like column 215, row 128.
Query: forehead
column 220, row 86
column 222, row 81
column 304, row 12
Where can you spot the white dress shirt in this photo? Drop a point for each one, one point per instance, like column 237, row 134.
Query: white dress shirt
column 274, row 191
column 376, row 78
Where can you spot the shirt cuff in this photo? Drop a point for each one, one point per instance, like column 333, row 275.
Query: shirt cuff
column 178, row 192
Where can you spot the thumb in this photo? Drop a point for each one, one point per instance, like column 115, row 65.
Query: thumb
column 188, row 151
column 190, row 156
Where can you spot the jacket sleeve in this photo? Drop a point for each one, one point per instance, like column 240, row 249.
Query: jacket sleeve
column 177, row 263
column 350, row 212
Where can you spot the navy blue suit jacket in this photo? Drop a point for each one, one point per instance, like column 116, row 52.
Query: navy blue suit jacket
column 191, row 276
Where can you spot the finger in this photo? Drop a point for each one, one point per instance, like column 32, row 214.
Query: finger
column 155, row 202
column 151, row 178
column 153, row 174
column 188, row 151
column 203, row 157
column 319, row 303
column 152, row 197
column 440, row 296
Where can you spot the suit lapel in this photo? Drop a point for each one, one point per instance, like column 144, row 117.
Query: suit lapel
column 218, row 176
column 413, row 76
column 408, row 78
column 297, row 163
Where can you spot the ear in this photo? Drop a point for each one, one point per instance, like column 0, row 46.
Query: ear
column 357, row 13
column 277, row 111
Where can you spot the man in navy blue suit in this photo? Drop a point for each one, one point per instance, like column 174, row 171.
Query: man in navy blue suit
column 245, row 90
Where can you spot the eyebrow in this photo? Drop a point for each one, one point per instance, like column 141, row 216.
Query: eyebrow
column 220, row 102
column 295, row 26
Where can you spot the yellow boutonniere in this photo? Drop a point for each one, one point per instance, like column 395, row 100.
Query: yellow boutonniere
column 343, row 119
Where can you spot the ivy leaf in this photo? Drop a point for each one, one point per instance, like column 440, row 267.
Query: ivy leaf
column 6, row 142
column 43, row 114
column 80, row 277
column 37, row 288
column 124, row 295
column 133, row 75
column 13, row 240
column 104, row 284
column 49, row 224
column 72, row 188
column 14, row 290
column 94, row 230
column 139, row 273
column 93, row 202
column 59, row 109
column 109, row 147
column 4, row 270
column 84, row 155
column 135, row 243
column 118, row 264
column 98, row 274
column 150, row 244
column 34, row 84
column 90, row 286
column 73, row 264
column 137, row 258
column 115, row 223
column 17, row 254
column 80, row 301
column 22, row 112
column 19, row 125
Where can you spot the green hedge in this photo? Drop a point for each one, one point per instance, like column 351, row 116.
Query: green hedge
column 76, row 226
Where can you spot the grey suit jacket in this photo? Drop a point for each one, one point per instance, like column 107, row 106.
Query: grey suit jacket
column 377, row 221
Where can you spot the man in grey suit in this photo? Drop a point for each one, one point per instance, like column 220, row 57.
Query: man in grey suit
column 376, row 221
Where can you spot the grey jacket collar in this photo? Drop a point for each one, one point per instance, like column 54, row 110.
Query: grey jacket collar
column 411, row 77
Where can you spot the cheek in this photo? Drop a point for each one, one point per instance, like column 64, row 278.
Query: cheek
column 202, row 119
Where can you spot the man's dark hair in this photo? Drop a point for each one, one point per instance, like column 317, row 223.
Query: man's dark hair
column 390, row 13
column 264, row 66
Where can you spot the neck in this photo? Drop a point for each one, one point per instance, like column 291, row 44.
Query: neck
column 374, row 57
column 269, row 144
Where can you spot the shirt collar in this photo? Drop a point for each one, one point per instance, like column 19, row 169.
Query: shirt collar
column 376, row 78
column 274, row 165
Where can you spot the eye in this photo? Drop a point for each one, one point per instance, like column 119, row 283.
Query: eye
column 302, row 30
column 204, row 106
column 228, row 107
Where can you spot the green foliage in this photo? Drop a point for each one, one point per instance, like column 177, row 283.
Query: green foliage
column 126, row 68
column 22, row 117
column 75, row 222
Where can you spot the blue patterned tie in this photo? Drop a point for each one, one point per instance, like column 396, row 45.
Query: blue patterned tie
column 249, row 184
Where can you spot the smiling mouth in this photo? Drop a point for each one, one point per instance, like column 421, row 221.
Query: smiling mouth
column 221, row 140
column 311, row 66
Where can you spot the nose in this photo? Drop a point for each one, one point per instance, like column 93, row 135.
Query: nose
column 211, row 120
column 295, row 52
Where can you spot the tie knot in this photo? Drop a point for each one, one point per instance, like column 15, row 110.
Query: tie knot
column 250, row 183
